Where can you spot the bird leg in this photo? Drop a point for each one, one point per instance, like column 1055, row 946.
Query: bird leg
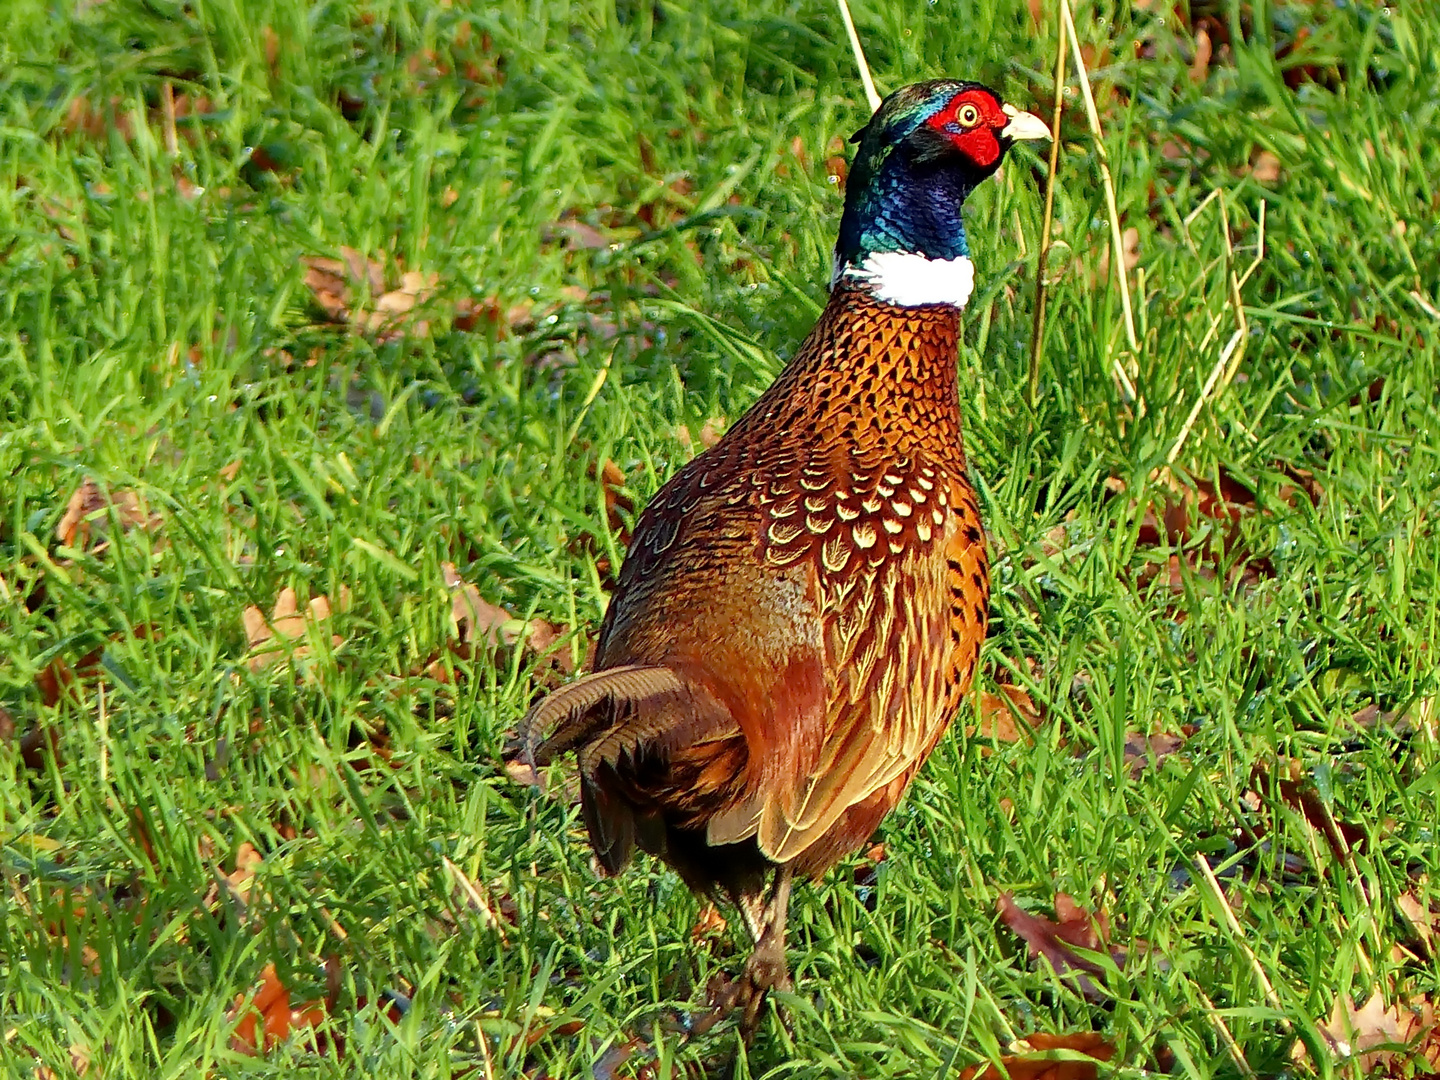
column 765, row 969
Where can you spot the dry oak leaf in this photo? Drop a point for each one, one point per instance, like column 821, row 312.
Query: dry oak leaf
column 85, row 512
column 473, row 619
column 267, row 1018
column 489, row 311
column 334, row 282
column 579, row 235
column 1381, row 1036
column 1422, row 919
column 242, row 879
column 1186, row 505
column 1037, row 1057
column 58, row 679
column 617, row 503
column 1007, row 716
column 1140, row 750
column 273, row 639
column 340, row 287
column 1288, row 782
column 476, row 623
column 710, row 432
column 1057, row 941
column 1265, row 167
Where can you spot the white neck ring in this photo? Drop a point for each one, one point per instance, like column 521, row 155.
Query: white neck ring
column 911, row 280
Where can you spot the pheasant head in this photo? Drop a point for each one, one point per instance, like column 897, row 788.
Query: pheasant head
column 922, row 153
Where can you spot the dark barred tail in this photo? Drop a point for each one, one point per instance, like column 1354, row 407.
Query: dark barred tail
column 585, row 709
column 615, row 720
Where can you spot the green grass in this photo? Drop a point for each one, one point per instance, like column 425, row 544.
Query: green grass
column 144, row 336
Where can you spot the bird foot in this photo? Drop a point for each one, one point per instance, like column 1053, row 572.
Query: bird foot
column 746, row 995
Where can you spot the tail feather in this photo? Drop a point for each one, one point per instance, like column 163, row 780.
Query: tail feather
column 610, row 823
column 614, row 720
column 581, row 710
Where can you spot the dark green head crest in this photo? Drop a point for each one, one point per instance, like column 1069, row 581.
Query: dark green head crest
column 921, row 154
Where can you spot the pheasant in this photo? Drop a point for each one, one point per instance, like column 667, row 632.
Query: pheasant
column 801, row 607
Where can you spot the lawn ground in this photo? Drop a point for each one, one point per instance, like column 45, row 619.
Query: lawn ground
column 338, row 343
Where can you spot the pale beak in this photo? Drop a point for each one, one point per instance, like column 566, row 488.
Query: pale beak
column 1023, row 125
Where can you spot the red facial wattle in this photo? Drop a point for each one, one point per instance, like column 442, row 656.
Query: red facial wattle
column 978, row 140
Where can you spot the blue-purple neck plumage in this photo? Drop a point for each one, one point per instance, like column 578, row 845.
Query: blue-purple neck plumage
column 923, row 152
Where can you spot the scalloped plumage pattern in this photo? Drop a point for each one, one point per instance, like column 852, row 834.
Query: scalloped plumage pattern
column 808, row 597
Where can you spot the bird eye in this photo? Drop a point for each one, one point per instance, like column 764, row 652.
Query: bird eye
column 968, row 116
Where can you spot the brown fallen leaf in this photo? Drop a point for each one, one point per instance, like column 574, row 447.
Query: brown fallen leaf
column 351, row 290
column 1381, row 1036
column 390, row 317
column 710, row 432
column 607, row 1068
column 1265, row 167
column 84, row 513
column 85, row 500
column 1200, row 63
column 267, row 1018
column 476, row 624
column 238, row 883
column 578, row 234
column 1342, row 837
column 1056, row 941
column 1424, row 920
column 58, row 679
column 709, row 923
column 42, row 741
column 97, row 121
column 1142, row 750
column 335, row 283
column 271, row 41
column 1184, row 507
column 1130, row 249
column 1035, row 1058
column 1009, row 716
column 617, row 503
column 274, row 638
column 544, row 638
column 471, row 313
column 473, row 619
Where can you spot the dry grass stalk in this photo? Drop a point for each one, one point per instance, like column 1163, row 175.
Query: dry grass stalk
column 1222, row 1029
column 1117, row 244
column 1238, row 935
column 1230, row 356
column 872, row 96
column 1038, row 333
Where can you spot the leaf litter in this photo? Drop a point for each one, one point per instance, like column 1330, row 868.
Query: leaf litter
column 1056, row 940
column 1201, row 520
column 1043, row 1056
column 351, row 290
column 87, row 516
column 279, row 636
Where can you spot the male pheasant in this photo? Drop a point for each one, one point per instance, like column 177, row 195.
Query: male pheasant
column 801, row 607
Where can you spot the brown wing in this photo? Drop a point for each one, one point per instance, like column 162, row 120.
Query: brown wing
column 690, row 578
column 904, row 619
